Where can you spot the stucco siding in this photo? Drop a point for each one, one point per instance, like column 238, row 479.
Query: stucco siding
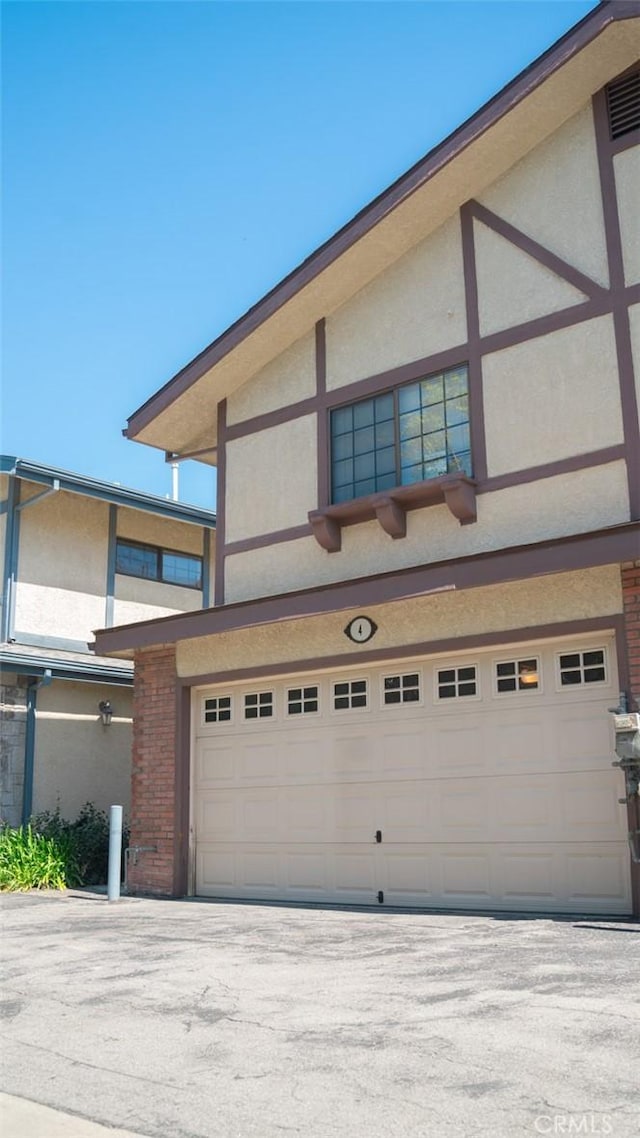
column 414, row 309
column 514, row 287
column 271, row 479
column 155, row 595
column 553, row 195
column 575, row 502
column 128, row 611
column 634, row 319
column 67, row 613
column 521, row 604
column 63, row 542
column 289, row 378
column 559, row 395
column 627, row 171
column 138, row 525
column 77, row 760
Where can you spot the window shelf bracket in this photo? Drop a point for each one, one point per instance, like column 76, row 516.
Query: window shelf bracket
column 456, row 491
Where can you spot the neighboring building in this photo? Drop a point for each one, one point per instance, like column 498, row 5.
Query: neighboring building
column 79, row 553
column 428, row 560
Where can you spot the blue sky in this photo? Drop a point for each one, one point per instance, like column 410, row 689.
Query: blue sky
column 167, row 163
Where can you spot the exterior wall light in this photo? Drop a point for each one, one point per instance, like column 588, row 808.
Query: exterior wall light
column 106, row 712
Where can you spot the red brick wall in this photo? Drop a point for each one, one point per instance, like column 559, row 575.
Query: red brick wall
column 631, row 597
column 153, row 813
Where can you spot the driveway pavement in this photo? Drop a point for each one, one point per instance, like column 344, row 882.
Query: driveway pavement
column 185, row 1019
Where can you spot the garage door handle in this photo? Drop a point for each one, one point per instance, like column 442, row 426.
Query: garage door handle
column 378, row 835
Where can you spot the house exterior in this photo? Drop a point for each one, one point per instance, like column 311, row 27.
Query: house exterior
column 78, row 552
column 428, row 559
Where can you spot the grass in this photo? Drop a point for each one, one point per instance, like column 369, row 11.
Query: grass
column 29, row 860
column 53, row 853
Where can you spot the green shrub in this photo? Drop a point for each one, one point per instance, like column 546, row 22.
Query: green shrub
column 88, row 836
column 52, row 853
column 29, row 860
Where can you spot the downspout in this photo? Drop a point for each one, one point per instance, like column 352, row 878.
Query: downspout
column 30, row 743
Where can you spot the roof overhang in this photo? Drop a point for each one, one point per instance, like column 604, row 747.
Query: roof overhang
column 523, row 114
column 562, row 555
column 36, row 663
column 105, row 491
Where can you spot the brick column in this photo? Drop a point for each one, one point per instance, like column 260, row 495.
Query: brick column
column 153, row 782
column 631, row 599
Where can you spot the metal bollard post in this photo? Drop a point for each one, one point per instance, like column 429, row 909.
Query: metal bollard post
column 115, row 853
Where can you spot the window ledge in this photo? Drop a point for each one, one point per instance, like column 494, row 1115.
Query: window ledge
column 389, row 507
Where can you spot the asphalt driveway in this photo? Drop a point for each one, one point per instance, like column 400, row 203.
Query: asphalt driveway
column 184, row 1019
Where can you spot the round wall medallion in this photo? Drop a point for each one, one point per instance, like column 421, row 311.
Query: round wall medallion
column 361, row 629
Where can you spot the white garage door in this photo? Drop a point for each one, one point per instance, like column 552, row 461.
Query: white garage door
column 482, row 781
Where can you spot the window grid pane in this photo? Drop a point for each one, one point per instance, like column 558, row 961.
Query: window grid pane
column 180, row 569
column 433, row 436
column 349, row 693
column 456, row 683
column 154, row 564
column 137, row 560
column 583, row 668
column 258, row 705
column 401, row 689
column 217, row 709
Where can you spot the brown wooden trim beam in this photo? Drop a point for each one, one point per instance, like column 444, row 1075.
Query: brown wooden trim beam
column 560, row 555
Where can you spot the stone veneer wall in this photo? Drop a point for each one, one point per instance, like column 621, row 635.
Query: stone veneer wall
column 13, row 726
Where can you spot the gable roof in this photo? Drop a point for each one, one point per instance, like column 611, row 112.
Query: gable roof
column 523, row 113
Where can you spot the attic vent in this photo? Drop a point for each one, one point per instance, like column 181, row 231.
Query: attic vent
column 623, row 101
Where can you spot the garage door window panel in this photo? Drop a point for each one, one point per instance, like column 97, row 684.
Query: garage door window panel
column 401, row 689
column 259, row 705
column 218, row 709
column 457, row 682
column 517, row 676
column 303, row 700
column 582, row 668
column 350, row 695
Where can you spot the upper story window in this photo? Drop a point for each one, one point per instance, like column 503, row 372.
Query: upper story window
column 154, row 564
column 413, row 433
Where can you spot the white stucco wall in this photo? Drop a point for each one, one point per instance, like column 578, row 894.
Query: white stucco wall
column 63, row 542
column 139, row 525
column 514, row 287
column 553, row 195
column 414, row 309
column 570, row 503
column 441, row 616
column 289, row 378
column 77, row 760
column 271, row 479
column 63, row 613
column 627, row 171
column 552, row 397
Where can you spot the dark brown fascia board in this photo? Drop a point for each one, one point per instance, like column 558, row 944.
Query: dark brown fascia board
column 561, row 555
column 515, row 91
